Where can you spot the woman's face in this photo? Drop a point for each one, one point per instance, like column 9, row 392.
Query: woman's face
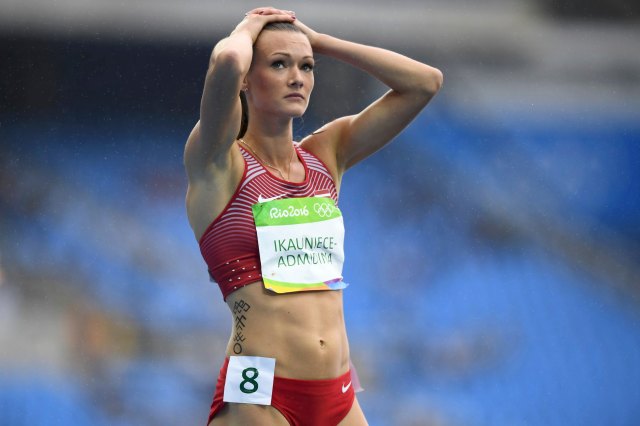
column 280, row 80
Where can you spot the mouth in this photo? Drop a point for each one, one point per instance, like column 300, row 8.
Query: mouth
column 294, row 95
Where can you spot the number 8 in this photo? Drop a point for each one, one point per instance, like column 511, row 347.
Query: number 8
column 251, row 380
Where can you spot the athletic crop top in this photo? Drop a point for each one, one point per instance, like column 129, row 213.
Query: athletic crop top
column 229, row 246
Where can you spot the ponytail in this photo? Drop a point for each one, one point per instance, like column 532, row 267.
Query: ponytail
column 244, row 120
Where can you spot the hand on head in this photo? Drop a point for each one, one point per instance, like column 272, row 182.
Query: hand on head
column 256, row 19
column 285, row 15
column 278, row 15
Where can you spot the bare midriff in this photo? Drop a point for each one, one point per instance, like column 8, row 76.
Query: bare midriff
column 305, row 331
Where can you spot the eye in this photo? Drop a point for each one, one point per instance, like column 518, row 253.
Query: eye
column 307, row 67
column 278, row 64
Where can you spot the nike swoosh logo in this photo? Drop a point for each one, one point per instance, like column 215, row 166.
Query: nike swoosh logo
column 346, row 388
column 261, row 199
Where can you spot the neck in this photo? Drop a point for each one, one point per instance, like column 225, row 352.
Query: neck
column 272, row 141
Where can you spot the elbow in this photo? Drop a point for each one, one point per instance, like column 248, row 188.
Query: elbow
column 437, row 78
column 229, row 61
column 430, row 82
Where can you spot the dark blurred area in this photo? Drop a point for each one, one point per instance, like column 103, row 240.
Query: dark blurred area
column 94, row 79
column 593, row 10
column 493, row 249
column 61, row 78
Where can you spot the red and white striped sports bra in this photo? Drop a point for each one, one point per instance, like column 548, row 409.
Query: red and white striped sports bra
column 229, row 246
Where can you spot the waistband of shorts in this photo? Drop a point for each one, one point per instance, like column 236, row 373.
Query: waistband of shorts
column 313, row 383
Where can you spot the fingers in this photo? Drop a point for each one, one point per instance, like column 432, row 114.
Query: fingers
column 255, row 20
column 311, row 34
column 271, row 15
column 270, row 11
column 266, row 11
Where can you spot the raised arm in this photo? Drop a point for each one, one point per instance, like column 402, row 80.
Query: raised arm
column 412, row 83
column 220, row 111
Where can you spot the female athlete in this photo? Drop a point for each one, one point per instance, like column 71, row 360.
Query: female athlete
column 264, row 211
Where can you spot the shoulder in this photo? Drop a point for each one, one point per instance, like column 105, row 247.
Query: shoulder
column 211, row 188
column 324, row 144
column 201, row 168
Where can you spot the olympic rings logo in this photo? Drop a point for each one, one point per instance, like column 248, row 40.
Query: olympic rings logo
column 323, row 210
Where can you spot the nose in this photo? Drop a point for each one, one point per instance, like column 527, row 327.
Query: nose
column 295, row 78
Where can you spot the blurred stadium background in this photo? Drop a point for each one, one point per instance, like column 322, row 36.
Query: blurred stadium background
column 493, row 248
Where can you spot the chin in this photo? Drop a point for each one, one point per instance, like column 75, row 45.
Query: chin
column 297, row 112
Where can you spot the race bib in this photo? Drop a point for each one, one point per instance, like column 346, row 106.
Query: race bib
column 249, row 380
column 301, row 243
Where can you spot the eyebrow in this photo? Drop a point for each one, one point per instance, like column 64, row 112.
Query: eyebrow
column 289, row 55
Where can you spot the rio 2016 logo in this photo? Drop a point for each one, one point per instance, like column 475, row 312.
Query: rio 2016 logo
column 321, row 209
column 290, row 211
